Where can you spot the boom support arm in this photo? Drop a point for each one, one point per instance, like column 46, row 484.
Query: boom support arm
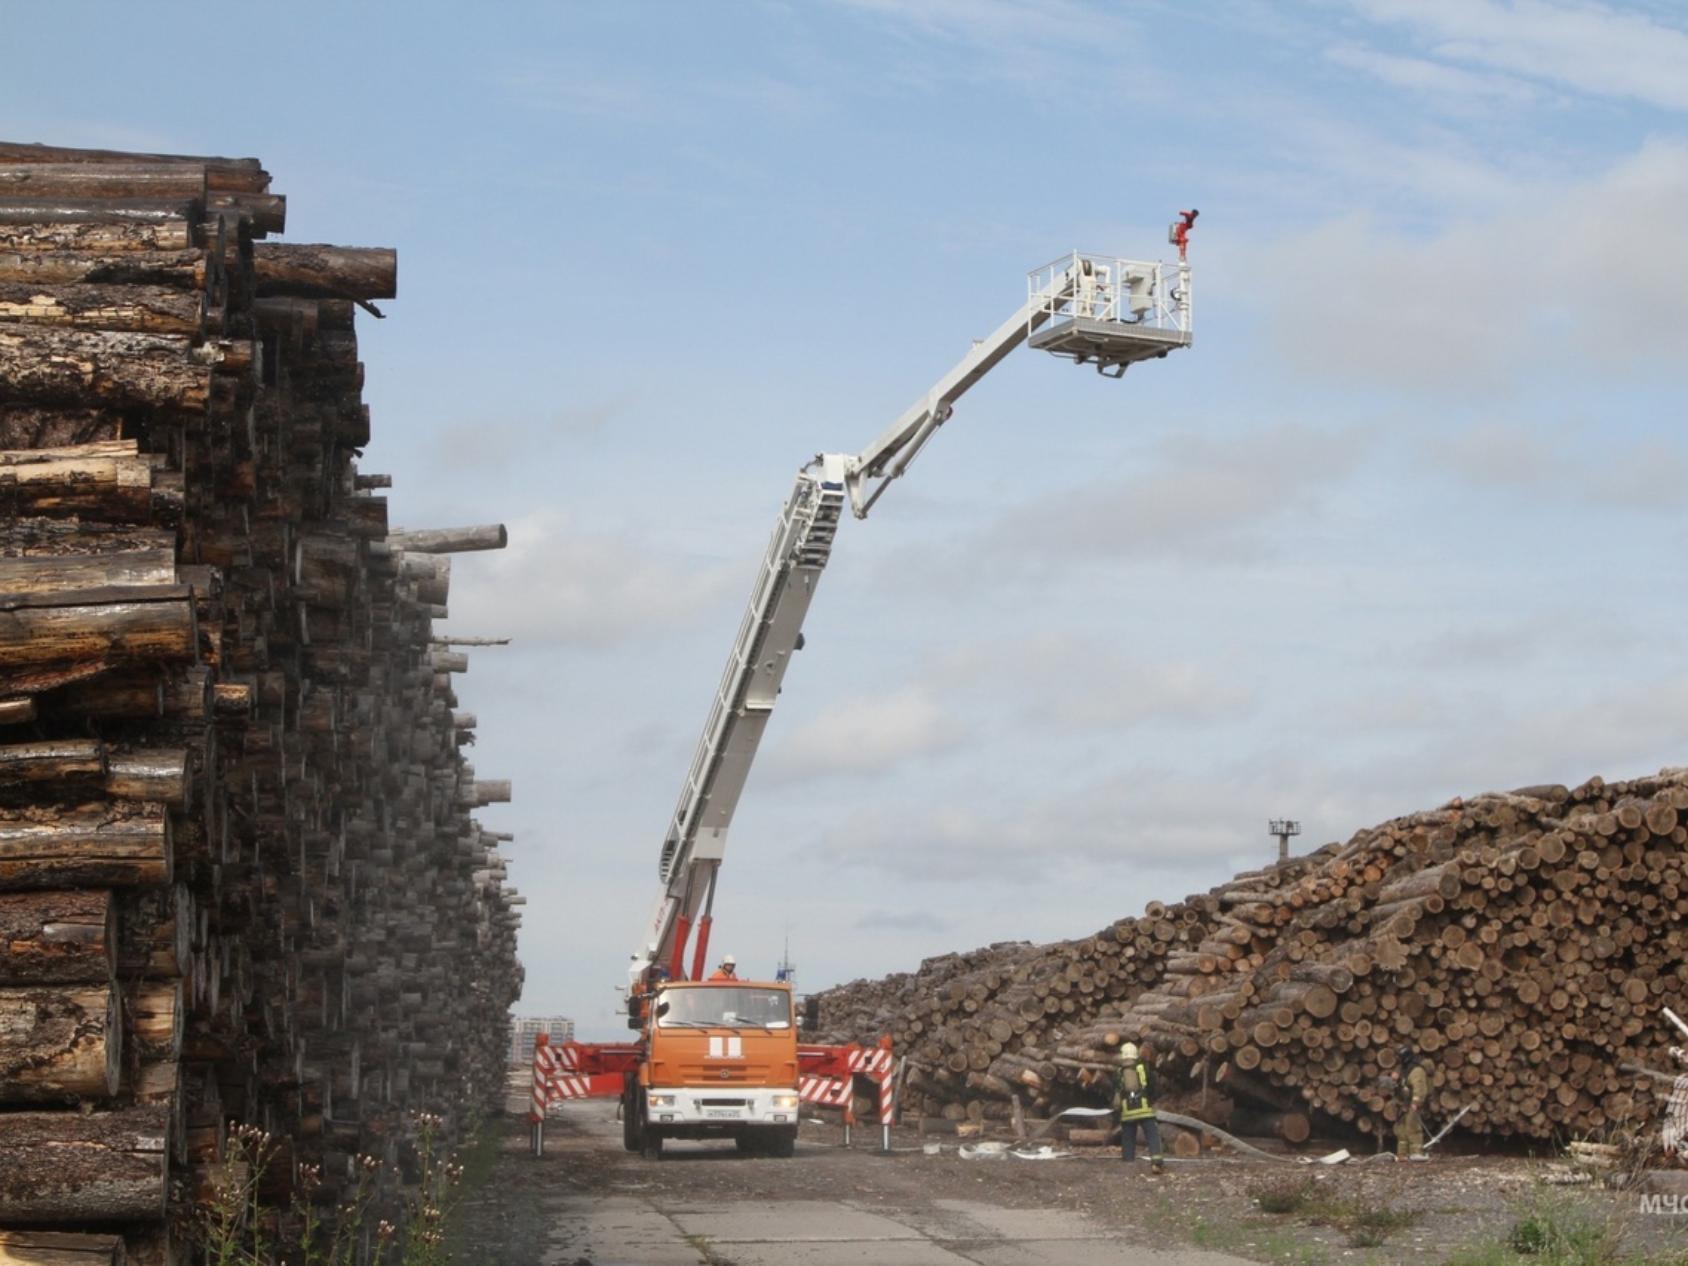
column 870, row 473
column 1099, row 311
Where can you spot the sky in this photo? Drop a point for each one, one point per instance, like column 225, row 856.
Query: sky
column 1405, row 523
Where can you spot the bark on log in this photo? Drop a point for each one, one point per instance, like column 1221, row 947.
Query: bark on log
column 154, row 935
column 156, row 774
column 58, row 1044
column 451, row 540
column 1292, row 1127
column 16, row 711
column 51, row 573
column 156, row 1019
column 152, row 181
column 98, row 226
column 294, row 268
column 230, row 175
column 67, row 1167
column 157, row 371
column 112, row 626
column 95, row 845
column 139, row 308
column 60, row 760
column 60, row 1248
column 64, row 936
column 107, row 479
column 182, row 270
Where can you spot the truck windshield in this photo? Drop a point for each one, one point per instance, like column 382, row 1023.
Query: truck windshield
column 744, row 1007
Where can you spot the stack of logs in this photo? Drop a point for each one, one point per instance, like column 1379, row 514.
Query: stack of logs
column 1523, row 944
column 239, row 879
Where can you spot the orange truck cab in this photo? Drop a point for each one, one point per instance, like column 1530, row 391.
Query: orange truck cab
column 720, row 1061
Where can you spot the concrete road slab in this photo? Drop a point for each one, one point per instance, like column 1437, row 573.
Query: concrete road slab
column 790, row 1222
column 1108, row 1252
column 621, row 1229
column 877, row 1253
column 987, row 1221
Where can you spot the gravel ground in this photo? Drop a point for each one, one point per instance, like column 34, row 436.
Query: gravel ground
column 517, row 1217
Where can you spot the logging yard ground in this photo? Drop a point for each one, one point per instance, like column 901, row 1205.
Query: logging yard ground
column 590, row 1203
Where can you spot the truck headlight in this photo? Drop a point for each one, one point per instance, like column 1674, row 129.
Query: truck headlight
column 785, row 1101
column 660, row 1101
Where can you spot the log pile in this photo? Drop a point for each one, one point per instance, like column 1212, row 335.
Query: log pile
column 239, row 876
column 1521, row 943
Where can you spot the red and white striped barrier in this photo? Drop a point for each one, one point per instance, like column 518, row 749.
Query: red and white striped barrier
column 830, row 1080
column 829, row 1092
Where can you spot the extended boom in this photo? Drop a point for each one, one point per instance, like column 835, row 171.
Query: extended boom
column 1088, row 308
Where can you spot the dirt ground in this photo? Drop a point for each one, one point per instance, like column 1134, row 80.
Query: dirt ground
column 529, row 1210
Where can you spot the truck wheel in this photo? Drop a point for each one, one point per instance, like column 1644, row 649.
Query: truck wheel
column 782, row 1143
column 630, row 1131
column 651, row 1144
column 650, row 1140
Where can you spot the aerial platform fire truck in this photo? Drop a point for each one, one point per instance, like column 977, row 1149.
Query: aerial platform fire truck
column 720, row 1058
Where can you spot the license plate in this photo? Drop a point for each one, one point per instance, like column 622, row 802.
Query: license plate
column 720, row 1112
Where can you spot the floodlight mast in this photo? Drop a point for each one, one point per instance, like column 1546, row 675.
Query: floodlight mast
column 1091, row 309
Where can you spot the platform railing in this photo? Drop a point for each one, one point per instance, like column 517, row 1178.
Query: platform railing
column 1127, row 292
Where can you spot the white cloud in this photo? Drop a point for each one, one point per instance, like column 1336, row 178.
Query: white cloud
column 1536, row 460
column 1438, row 84
column 1140, row 821
column 1205, row 498
column 1592, row 48
column 559, row 585
column 1571, row 737
column 867, row 735
column 901, row 921
column 1593, row 273
column 1071, row 683
column 1035, row 46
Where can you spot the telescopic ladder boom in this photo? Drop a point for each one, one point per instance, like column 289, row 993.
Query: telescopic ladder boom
column 1091, row 309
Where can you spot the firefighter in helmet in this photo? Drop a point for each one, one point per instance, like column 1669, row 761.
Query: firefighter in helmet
column 1134, row 1089
column 1413, row 1087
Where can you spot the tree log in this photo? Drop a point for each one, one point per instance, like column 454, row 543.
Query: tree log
column 113, row 626
column 156, row 1019
column 153, row 181
column 107, row 480
column 158, row 371
column 50, row 573
column 58, row 1043
column 295, row 268
column 1292, row 1127
column 154, row 933
column 157, row 774
column 59, row 1167
column 451, row 540
column 141, row 308
column 98, row 226
column 184, row 270
column 117, row 844
column 56, row 760
column 228, row 175
column 60, row 1248
column 62, row 936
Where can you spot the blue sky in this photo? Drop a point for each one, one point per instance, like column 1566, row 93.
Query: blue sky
column 1405, row 523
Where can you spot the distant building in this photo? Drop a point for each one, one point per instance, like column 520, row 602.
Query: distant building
column 523, row 1029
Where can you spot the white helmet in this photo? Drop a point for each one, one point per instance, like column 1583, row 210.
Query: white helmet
column 1128, row 1053
column 727, row 960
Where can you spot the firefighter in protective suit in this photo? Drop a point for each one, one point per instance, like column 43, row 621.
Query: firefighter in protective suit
column 1133, row 1091
column 1414, row 1090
